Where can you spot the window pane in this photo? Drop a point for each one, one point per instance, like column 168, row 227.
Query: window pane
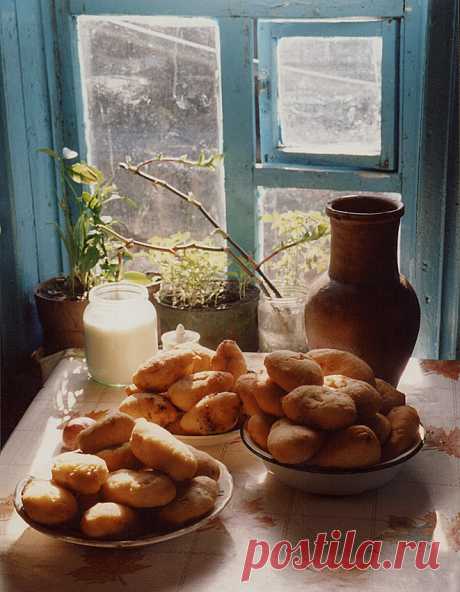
column 152, row 85
column 285, row 215
column 330, row 94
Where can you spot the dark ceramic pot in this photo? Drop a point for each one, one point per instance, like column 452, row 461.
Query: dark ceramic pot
column 363, row 304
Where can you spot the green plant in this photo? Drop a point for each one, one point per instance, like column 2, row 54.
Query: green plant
column 193, row 278
column 303, row 240
column 90, row 253
column 190, row 268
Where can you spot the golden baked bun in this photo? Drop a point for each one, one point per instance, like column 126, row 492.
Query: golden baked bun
column 405, row 423
column 290, row 369
column 112, row 430
column 48, row 503
column 195, row 499
column 207, row 465
column 108, row 520
column 319, row 407
column 203, row 355
column 156, row 448
column 72, row 430
column 152, row 407
column 175, row 427
column 245, row 387
column 367, row 399
column 186, row 392
column 164, row 369
column 268, row 395
column 293, row 444
column 336, row 361
column 259, row 427
column 119, row 457
column 229, row 358
column 381, row 427
column 390, row 397
column 354, row 447
column 132, row 389
column 139, row 489
column 84, row 473
column 214, row 414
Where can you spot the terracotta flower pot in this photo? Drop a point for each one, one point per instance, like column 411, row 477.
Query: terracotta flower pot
column 363, row 304
column 61, row 318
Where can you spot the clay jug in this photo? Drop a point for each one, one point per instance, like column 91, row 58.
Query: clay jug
column 363, row 304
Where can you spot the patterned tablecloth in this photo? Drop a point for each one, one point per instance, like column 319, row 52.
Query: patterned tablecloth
column 422, row 503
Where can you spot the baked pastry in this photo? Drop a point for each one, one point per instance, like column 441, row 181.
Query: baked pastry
column 268, row 395
column 229, row 358
column 213, row 414
column 259, row 427
column 290, row 369
column 132, row 389
column 336, row 361
column 405, row 423
column 186, row 392
column 175, row 427
column 367, row 399
column 119, row 457
column 293, row 444
column 153, row 407
column 203, row 355
column 72, row 430
column 156, row 448
column 88, row 500
column 165, row 368
column 139, row 489
column 245, row 387
column 390, row 397
column 352, row 448
column 319, row 407
column 195, row 499
column 381, row 427
column 207, row 465
column 108, row 520
column 111, row 430
column 48, row 503
column 84, row 473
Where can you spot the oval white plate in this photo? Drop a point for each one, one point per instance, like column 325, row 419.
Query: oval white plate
column 225, row 483
column 212, row 440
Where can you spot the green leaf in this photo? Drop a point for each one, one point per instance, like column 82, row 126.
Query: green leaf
column 137, row 277
column 49, row 152
column 84, row 173
column 89, row 259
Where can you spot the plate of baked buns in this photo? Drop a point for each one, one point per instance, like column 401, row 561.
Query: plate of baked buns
column 129, row 483
column 190, row 390
column 323, row 422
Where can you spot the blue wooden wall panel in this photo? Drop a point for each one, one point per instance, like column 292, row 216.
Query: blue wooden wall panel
column 243, row 8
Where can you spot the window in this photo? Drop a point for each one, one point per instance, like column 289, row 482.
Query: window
column 301, row 97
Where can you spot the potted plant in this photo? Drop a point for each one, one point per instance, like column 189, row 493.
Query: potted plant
column 281, row 320
column 197, row 288
column 91, row 258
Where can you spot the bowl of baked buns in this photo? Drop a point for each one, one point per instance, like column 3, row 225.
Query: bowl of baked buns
column 128, row 483
column 323, row 422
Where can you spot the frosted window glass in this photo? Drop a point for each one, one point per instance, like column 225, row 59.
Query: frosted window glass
column 152, row 85
column 330, row 94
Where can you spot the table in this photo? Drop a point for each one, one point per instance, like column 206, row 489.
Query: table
column 423, row 503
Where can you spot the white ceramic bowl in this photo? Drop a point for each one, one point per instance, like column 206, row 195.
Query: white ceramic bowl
column 212, row 440
column 225, row 483
column 333, row 481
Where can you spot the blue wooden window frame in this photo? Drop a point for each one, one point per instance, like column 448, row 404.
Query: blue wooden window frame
column 41, row 105
column 273, row 150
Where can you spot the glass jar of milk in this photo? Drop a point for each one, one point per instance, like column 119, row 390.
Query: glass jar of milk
column 120, row 331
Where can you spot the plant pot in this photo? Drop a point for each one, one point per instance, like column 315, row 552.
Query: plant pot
column 362, row 304
column 236, row 320
column 61, row 318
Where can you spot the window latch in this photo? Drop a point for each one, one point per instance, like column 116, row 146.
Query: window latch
column 263, row 83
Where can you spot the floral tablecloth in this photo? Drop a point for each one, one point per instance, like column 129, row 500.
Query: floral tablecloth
column 422, row 503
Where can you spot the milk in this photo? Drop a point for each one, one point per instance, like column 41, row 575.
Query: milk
column 120, row 332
